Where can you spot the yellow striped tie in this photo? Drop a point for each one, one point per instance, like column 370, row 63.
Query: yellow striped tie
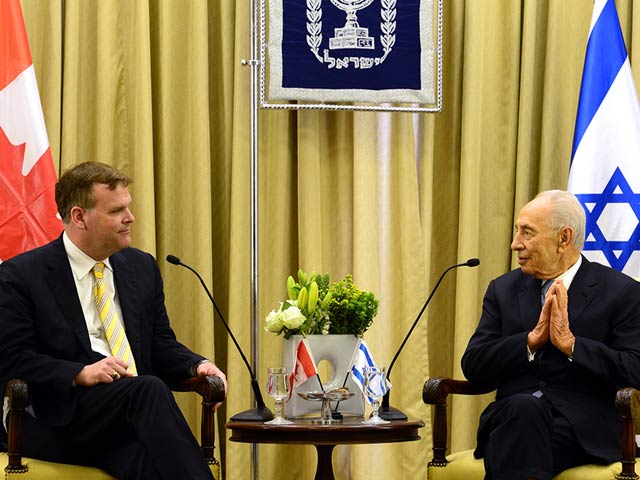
column 113, row 328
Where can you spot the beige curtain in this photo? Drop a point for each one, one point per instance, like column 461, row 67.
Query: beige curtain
column 156, row 87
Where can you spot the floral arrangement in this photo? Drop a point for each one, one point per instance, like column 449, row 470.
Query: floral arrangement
column 316, row 307
column 351, row 310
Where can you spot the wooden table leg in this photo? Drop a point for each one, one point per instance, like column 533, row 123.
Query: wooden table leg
column 324, row 470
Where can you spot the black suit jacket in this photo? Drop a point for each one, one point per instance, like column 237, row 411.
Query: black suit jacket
column 43, row 333
column 604, row 316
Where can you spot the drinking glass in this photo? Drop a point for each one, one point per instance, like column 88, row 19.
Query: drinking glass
column 375, row 386
column 278, row 387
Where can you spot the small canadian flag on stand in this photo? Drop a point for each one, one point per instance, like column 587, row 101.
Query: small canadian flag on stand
column 27, row 176
column 304, row 367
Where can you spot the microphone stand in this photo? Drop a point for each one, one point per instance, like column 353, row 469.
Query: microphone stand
column 386, row 411
column 261, row 413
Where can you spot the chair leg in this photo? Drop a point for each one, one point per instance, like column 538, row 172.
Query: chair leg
column 208, row 435
column 17, row 393
column 624, row 407
column 626, row 476
column 211, row 388
column 439, row 435
column 208, row 432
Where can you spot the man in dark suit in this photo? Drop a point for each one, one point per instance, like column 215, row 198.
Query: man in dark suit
column 557, row 357
column 83, row 321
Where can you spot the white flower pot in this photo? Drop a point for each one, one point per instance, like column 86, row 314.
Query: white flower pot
column 337, row 351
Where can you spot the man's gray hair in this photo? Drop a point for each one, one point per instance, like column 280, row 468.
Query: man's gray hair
column 566, row 211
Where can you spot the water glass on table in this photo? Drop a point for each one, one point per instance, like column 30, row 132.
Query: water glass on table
column 375, row 386
column 278, row 388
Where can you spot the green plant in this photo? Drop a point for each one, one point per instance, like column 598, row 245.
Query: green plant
column 351, row 310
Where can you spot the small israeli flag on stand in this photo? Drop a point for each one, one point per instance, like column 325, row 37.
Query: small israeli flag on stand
column 605, row 165
column 362, row 358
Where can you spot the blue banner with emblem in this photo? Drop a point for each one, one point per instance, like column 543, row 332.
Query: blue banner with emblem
column 381, row 51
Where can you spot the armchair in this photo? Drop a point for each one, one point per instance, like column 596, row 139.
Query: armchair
column 463, row 465
column 210, row 388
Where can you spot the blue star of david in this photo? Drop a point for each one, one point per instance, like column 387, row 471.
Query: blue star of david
column 598, row 241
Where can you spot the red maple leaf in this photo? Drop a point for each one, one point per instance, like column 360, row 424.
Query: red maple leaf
column 27, row 205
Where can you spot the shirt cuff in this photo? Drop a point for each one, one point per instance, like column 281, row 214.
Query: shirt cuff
column 570, row 357
column 530, row 354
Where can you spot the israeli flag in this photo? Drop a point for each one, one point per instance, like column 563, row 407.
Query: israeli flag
column 362, row 358
column 605, row 165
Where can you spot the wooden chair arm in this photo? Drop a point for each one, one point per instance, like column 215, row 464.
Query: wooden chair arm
column 435, row 392
column 436, row 389
column 211, row 388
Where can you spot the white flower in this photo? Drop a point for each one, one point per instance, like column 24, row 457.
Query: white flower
column 292, row 318
column 274, row 322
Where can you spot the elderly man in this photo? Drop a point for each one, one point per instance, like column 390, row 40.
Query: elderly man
column 83, row 321
column 557, row 338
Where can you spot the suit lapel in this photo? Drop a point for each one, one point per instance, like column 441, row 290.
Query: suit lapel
column 582, row 291
column 126, row 283
column 529, row 301
column 60, row 279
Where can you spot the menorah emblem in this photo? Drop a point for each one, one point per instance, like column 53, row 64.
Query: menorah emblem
column 351, row 35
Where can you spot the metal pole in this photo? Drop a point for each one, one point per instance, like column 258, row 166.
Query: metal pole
column 254, row 205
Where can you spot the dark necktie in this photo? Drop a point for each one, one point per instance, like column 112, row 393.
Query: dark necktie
column 544, row 289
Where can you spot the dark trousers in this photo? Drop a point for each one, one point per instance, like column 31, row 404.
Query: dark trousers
column 523, row 437
column 131, row 428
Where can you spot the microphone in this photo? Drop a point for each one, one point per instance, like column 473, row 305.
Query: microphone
column 390, row 413
column 261, row 413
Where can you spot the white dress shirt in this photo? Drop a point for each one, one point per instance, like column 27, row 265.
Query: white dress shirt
column 81, row 266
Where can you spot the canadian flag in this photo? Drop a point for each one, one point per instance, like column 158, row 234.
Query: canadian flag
column 304, row 367
column 28, row 215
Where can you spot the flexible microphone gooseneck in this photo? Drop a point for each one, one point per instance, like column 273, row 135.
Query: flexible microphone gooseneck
column 261, row 413
column 390, row 413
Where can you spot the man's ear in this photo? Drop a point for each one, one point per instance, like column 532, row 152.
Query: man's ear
column 566, row 238
column 77, row 217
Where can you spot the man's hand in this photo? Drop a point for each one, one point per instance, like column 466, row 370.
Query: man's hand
column 561, row 336
column 540, row 334
column 209, row 368
column 107, row 370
